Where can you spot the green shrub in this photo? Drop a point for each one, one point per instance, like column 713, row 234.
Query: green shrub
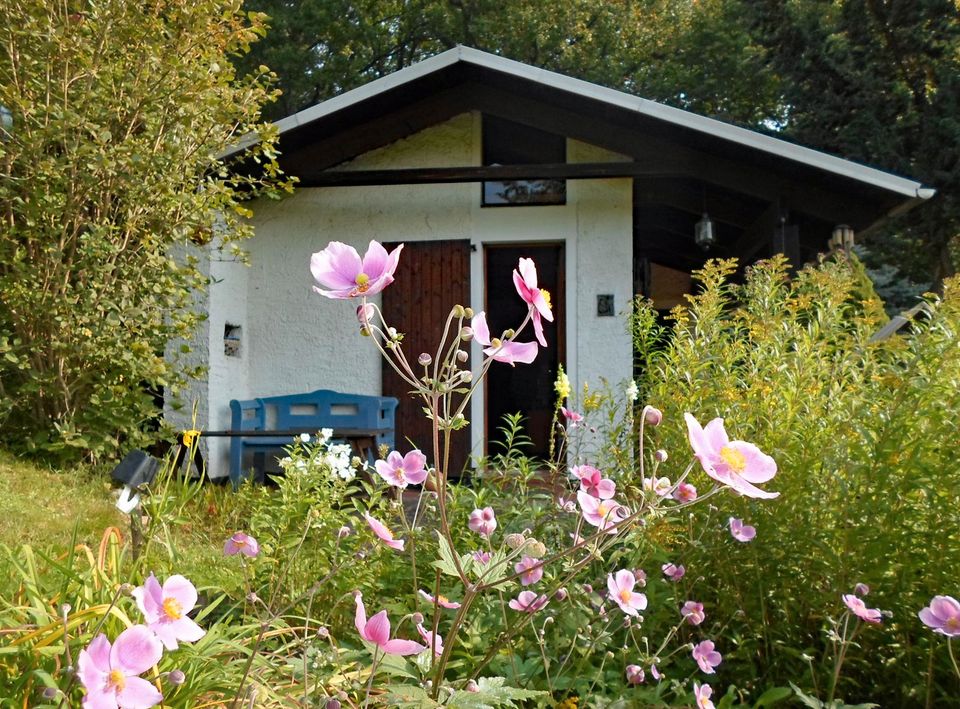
column 865, row 436
column 120, row 112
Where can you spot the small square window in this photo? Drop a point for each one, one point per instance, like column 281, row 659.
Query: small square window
column 231, row 340
column 509, row 143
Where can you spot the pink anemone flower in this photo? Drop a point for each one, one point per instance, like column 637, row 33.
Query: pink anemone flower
column 439, row 600
column 400, row 471
column 241, row 543
column 483, row 522
column 702, row 694
column 859, row 609
column 505, row 351
column 685, row 492
column 740, row 531
column 734, row 463
column 110, row 673
column 603, row 514
column 706, row 656
column 661, row 486
column 693, row 612
column 525, row 281
column 528, row 602
column 635, row 674
column 620, row 587
column 674, row 572
column 431, row 639
column 529, row 569
column 943, row 616
column 377, row 631
column 383, row 533
column 343, row 274
column 165, row 609
column 593, row 483
column 481, row 557
column 572, row 417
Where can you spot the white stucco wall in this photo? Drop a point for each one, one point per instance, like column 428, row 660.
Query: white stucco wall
column 295, row 340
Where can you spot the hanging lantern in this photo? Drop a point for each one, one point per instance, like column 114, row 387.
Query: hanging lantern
column 703, row 233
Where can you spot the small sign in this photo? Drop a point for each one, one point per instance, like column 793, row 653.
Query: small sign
column 605, row 307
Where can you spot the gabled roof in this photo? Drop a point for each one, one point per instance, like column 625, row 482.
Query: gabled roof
column 463, row 79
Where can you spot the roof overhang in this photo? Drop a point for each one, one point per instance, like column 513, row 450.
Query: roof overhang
column 464, row 79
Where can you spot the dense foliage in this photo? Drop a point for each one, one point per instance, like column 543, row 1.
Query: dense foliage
column 119, row 114
column 863, row 435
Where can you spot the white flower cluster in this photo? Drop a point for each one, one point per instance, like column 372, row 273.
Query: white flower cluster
column 632, row 391
column 337, row 456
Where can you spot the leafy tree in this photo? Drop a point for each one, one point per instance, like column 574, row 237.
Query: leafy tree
column 878, row 82
column 691, row 54
column 119, row 113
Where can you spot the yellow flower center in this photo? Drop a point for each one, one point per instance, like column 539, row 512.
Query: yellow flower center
column 117, row 680
column 363, row 282
column 398, row 475
column 604, row 508
column 625, row 595
column 442, row 599
column 546, row 296
column 172, row 608
column 734, row 458
column 953, row 624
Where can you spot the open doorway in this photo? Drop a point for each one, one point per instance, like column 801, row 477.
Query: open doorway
column 526, row 388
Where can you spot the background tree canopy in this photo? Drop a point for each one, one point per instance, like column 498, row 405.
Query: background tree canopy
column 877, row 81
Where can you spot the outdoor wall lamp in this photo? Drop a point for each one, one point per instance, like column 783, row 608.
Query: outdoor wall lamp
column 842, row 238
column 703, row 233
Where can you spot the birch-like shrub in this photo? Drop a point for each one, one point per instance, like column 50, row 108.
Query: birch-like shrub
column 866, row 438
column 116, row 114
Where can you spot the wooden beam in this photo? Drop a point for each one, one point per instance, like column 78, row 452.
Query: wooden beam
column 758, row 235
column 488, row 173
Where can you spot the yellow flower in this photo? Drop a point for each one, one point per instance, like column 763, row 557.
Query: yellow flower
column 562, row 385
column 190, row 436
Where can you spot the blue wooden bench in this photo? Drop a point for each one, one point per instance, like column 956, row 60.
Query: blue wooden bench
column 271, row 423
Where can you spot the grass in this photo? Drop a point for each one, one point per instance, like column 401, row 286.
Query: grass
column 41, row 507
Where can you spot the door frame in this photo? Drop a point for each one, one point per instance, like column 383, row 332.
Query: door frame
column 560, row 323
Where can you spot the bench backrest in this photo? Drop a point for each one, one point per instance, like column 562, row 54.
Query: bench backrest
column 311, row 411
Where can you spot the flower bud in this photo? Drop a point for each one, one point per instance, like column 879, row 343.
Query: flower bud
column 50, row 693
column 344, row 531
column 660, row 456
column 496, row 343
column 417, row 618
column 332, row 704
column 466, row 376
column 176, row 677
column 509, row 334
column 587, row 588
column 392, row 333
column 536, row 548
column 365, row 332
column 560, row 595
column 861, row 589
column 468, row 313
column 466, row 333
column 458, row 311
column 323, row 632
column 424, row 359
column 365, row 313
column 514, row 540
column 653, row 415
column 462, row 356
column 472, row 686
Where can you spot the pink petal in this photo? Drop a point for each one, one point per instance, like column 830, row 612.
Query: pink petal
column 360, row 617
column 377, row 629
column 375, row 260
column 540, row 303
column 538, row 328
column 383, row 533
column 945, row 607
column 606, row 489
column 136, row 650
column 138, row 693
column 402, row 647
column 759, row 467
column 512, row 352
column 715, row 435
column 481, row 332
column 93, row 664
column 748, row 490
column 181, row 590
column 187, row 630
column 695, row 434
column 336, row 267
column 625, row 580
column 612, row 587
column 100, row 697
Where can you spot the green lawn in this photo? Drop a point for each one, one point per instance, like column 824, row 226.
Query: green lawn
column 41, row 507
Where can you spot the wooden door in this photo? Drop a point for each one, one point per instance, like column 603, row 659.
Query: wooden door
column 431, row 278
column 525, row 388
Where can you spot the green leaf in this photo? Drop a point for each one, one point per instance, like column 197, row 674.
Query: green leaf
column 772, row 696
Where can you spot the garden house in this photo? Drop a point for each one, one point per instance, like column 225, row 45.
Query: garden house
column 472, row 161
